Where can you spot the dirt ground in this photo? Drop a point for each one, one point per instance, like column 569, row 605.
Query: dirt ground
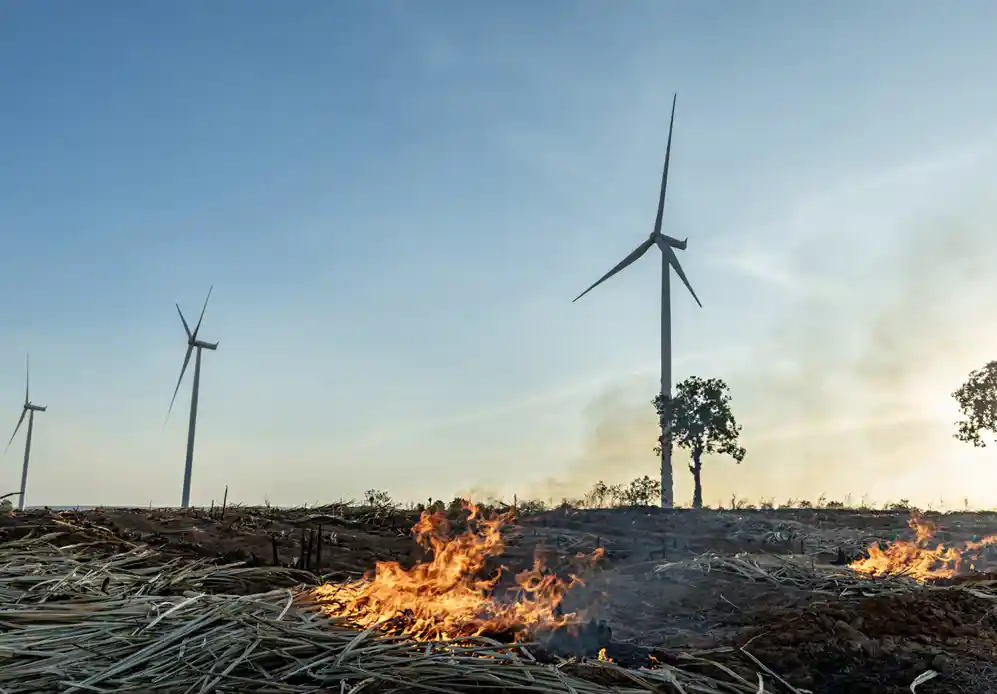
column 661, row 584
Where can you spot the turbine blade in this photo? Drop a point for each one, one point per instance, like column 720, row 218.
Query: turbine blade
column 674, row 262
column 27, row 378
column 183, row 369
column 675, row 243
column 198, row 326
column 637, row 252
column 185, row 326
column 664, row 171
column 24, row 411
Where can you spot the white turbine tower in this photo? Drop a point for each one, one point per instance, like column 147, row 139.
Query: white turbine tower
column 29, row 409
column 192, row 344
column 668, row 258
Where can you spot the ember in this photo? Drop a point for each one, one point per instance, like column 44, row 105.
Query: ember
column 918, row 560
column 448, row 596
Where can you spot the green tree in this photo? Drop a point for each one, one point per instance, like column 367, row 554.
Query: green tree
column 642, row 491
column 702, row 423
column 599, row 495
column 977, row 399
column 379, row 500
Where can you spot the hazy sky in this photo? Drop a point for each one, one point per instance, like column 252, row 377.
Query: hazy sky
column 397, row 201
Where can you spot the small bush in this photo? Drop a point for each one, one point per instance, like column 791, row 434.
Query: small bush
column 531, row 508
column 377, row 499
column 642, row 491
column 902, row 505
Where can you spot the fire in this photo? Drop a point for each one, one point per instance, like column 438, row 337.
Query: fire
column 450, row 595
column 917, row 559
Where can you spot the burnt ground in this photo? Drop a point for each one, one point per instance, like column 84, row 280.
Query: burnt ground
column 657, row 586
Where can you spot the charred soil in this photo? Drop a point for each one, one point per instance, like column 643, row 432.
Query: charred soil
column 882, row 643
column 820, row 639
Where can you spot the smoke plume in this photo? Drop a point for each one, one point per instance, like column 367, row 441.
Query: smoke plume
column 851, row 393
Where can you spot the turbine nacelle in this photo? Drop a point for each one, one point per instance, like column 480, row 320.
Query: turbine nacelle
column 670, row 262
column 192, row 343
column 665, row 240
column 28, row 410
column 28, row 406
column 667, row 244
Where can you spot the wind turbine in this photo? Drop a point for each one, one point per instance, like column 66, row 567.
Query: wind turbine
column 192, row 344
column 668, row 258
column 29, row 409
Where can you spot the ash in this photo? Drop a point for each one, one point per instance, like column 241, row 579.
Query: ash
column 696, row 580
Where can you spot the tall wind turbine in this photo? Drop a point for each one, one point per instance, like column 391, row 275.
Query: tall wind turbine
column 668, row 258
column 192, row 344
column 29, row 409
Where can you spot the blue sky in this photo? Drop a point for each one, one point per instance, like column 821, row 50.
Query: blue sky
column 397, row 201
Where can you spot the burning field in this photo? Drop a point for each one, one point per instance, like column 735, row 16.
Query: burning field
column 453, row 593
column 922, row 558
column 579, row 601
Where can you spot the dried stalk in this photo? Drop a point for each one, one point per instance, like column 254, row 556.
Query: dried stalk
column 73, row 623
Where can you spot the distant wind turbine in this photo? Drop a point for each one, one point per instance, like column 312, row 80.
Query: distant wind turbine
column 668, row 258
column 192, row 344
column 28, row 409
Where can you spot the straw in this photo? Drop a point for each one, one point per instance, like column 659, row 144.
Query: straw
column 72, row 623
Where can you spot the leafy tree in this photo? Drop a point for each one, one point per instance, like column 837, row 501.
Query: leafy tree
column 378, row 499
column 531, row 508
column 603, row 495
column 598, row 495
column 642, row 491
column 701, row 422
column 977, row 399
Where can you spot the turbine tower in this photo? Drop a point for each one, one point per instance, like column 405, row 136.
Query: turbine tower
column 668, row 258
column 29, row 409
column 192, row 344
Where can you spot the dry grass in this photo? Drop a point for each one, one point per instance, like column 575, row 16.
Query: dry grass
column 69, row 623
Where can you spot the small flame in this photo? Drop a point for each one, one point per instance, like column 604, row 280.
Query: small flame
column 916, row 559
column 446, row 596
column 603, row 657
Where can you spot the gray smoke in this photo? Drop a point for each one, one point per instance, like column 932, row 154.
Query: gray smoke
column 845, row 396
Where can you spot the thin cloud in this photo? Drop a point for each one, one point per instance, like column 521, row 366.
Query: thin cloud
column 903, row 175
column 540, row 150
column 838, row 425
column 775, row 268
column 536, row 401
column 783, row 257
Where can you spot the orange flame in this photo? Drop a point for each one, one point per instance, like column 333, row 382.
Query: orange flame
column 918, row 560
column 446, row 596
